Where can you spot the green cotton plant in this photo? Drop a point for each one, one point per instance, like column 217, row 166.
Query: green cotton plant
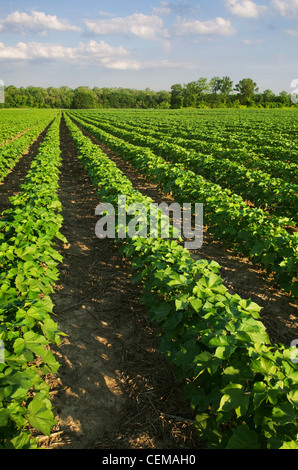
column 29, row 230
column 13, row 151
column 239, row 384
column 213, row 132
column 242, row 389
column 218, row 145
column 274, row 194
column 16, row 122
column 250, row 231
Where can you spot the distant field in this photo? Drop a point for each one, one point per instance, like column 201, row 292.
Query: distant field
column 242, row 165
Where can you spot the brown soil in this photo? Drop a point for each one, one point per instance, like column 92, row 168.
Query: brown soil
column 114, row 390
column 279, row 312
column 11, row 184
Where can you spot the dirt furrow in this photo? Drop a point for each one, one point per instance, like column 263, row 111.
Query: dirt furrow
column 279, row 313
column 14, row 138
column 113, row 389
column 10, row 185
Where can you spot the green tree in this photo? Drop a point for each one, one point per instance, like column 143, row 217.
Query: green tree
column 190, row 94
column 53, row 98
column 202, row 86
column 226, row 87
column 177, row 96
column 66, row 97
column 246, row 88
column 163, row 99
column 83, row 98
column 214, row 85
column 22, row 98
column 10, row 96
column 268, row 97
column 284, row 98
column 38, row 96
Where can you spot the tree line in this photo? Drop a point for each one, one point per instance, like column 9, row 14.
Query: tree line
column 217, row 92
column 221, row 92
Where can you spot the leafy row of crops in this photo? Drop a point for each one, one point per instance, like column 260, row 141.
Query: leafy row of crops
column 268, row 136
column 29, row 230
column 218, row 148
column 244, row 389
column 256, row 186
column 249, row 230
column 15, row 122
column 28, row 128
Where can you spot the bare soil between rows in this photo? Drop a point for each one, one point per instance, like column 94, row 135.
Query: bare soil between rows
column 10, row 186
column 114, row 390
column 279, row 312
column 15, row 137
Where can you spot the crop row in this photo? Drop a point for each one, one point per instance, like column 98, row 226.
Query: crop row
column 218, row 148
column 29, row 230
column 243, row 389
column 271, row 141
column 14, row 122
column 250, row 231
column 276, row 195
column 13, row 151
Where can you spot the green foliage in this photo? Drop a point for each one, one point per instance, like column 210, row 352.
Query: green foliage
column 246, row 88
column 28, row 271
column 242, row 388
column 83, row 99
column 248, row 230
column 262, row 189
column 217, row 93
column 28, row 126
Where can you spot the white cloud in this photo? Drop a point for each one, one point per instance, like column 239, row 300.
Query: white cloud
column 105, row 13
column 219, row 26
column 92, row 53
column 37, row 22
column 163, row 9
column 245, row 8
column 167, row 64
column 250, row 42
column 142, row 26
column 293, row 32
column 181, row 8
column 286, row 7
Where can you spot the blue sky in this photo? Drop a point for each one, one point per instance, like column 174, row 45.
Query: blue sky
column 150, row 44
